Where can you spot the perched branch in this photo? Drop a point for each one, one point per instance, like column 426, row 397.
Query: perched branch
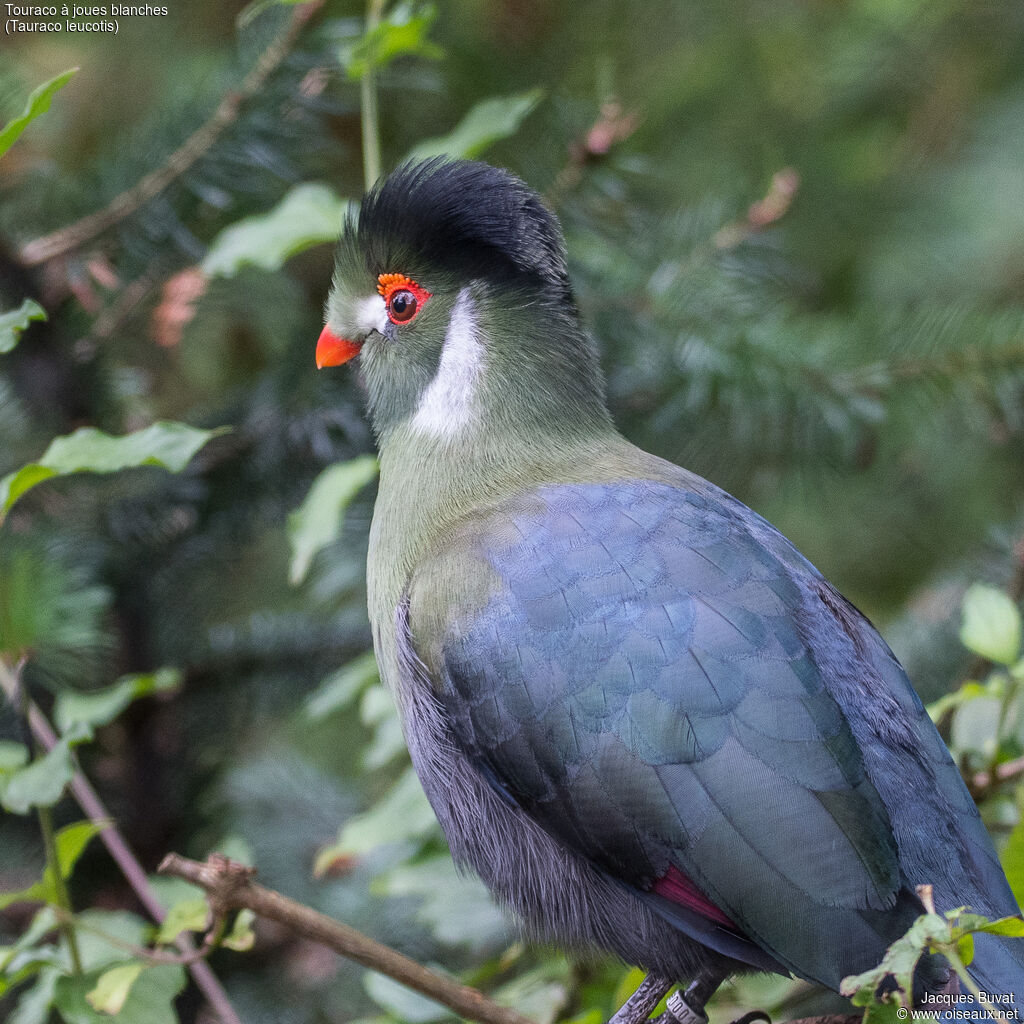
column 230, row 887
column 206, row 981
column 72, row 237
column 639, row 1006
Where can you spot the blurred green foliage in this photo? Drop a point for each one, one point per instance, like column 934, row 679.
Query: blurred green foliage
column 796, row 231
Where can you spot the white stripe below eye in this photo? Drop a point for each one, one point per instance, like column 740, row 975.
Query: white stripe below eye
column 446, row 404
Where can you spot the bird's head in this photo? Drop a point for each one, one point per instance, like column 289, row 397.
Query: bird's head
column 451, row 290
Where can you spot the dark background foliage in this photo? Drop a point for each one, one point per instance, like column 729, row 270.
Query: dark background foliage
column 797, row 232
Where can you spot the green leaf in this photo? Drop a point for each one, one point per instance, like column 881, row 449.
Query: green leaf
column 401, row 1002
column 28, row 956
column 169, row 891
column 898, row 964
column 318, row 520
column 190, row 915
column 38, row 103
column 13, row 322
column 950, row 701
column 1012, row 926
column 628, row 984
column 103, row 933
column 13, row 757
column 41, row 783
column 456, row 908
column 377, row 711
column 975, row 726
column 44, row 921
column 149, row 1001
column 991, row 625
column 70, row 841
column 35, row 893
column 403, row 33
column 102, row 706
column 234, row 847
column 342, row 687
column 486, row 123
column 540, row 994
column 965, row 949
column 402, row 813
column 168, row 445
column 1013, row 861
column 241, row 937
column 950, row 934
column 113, row 987
column 882, row 1013
column 308, row 215
column 34, row 1005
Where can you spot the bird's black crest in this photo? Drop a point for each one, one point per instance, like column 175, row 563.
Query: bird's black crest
column 464, row 215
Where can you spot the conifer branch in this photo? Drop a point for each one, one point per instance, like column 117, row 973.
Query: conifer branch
column 67, row 239
column 947, row 364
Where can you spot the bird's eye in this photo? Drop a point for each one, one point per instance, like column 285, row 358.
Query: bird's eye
column 403, row 297
column 402, row 306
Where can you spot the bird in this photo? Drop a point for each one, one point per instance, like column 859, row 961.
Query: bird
column 641, row 715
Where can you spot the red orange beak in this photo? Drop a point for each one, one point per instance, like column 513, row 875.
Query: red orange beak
column 333, row 351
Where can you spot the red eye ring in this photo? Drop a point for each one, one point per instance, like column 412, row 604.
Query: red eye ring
column 403, row 297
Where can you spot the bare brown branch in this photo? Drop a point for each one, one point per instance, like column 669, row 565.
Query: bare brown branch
column 230, row 886
column 67, row 239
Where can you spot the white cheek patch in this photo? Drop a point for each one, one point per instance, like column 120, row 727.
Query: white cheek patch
column 370, row 314
column 447, row 403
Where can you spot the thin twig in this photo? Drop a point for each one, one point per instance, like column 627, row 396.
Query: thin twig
column 981, row 783
column 206, row 981
column 368, row 102
column 951, row 952
column 150, row 956
column 14, row 685
column 67, row 239
column 230, row 887
column 612, row 126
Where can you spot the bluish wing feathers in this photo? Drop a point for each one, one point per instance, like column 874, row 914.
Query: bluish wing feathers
column 662, row 681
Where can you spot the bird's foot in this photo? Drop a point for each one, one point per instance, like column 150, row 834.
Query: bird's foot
column 688, row 1007
column 680, row 1007
column 679, row 1010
